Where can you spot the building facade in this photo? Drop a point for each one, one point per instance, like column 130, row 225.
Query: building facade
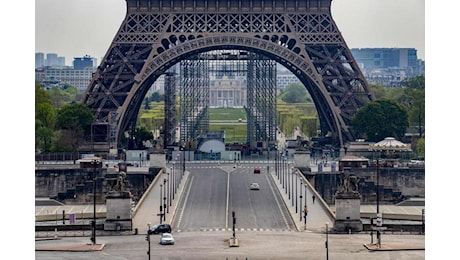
column 388, row 66
column 228, row 92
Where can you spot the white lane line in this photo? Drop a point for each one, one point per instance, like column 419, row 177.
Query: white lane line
column 276, row 199
column 185, row 201
column 228, row 197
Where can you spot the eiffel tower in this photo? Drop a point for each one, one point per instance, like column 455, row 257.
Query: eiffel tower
column 301, row 35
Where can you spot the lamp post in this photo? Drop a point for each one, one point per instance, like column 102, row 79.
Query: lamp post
column 296, row 202
column 379, row 216
column 147, row 237
column 169, row 193
column 165, row 205
column 161, row 207
column 423, row 221
column 183, row 161
column 289, row 182
column 327, row 241
column 305, row 213
column 173, row 183
column 300, row 206
column 93, row 223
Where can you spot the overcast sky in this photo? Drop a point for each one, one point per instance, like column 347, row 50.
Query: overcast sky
column 79, row 27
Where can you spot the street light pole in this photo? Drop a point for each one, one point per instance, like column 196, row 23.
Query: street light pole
column 148, row 239
column 300, row 206
column 305, row 213
column 379, row 217
column 161, row 207
column 327, row 241
column 296, row 202
column 165, row 205
column 93, row 235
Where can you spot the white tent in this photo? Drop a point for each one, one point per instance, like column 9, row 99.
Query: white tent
column 390, row 144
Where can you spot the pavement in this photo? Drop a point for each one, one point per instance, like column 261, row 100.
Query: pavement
column 393, row 247
column 70, row 247
column 232, row 243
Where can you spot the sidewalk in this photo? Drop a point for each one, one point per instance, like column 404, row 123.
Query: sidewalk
column 318, row 212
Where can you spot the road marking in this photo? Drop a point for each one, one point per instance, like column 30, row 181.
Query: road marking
column 228, row 197
column 276, row 199
column 185, row 202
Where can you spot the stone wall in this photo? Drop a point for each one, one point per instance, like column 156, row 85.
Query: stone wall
column 395, row 184
column 76, row 185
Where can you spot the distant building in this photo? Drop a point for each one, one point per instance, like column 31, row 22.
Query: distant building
column 228, row 92
column 284, row 77
column 50, row 77
column 388, row 66
column 52, row 60
column 39, row 60
column 80, row 63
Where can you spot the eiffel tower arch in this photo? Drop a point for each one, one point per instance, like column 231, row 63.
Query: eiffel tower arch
column 154, row 35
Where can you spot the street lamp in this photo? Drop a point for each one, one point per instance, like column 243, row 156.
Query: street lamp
column 296, row 202
column 161, row 207
column 305, row 211
column 147, row 237
column 300, row 206
column 327, row 241
column 169, row 193
column 165, row 205
column 93, row 224
column 379, row 216
column 423, row 221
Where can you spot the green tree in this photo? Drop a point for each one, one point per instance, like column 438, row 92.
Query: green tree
column 295, row 93
column 45, row 118
column 61, row 96
column 379, row 119
column 74, row 122
column 414, row 101
column 421, row 147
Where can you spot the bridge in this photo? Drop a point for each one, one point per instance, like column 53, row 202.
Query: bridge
column 209, row 193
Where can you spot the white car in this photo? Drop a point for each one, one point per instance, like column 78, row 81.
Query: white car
column 254, row 186
column 166, row 239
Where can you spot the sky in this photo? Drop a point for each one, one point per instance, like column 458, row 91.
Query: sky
column 87, row 27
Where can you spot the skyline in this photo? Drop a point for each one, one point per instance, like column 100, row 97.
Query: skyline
column 75, row 35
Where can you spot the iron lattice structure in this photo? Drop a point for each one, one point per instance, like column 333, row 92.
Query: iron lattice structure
column 261, row 108
column 260, row 73
column 299, row 34
column 170, row 109
column 194, row 100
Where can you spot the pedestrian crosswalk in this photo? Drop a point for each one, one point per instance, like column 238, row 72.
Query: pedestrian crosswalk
column 236, row 230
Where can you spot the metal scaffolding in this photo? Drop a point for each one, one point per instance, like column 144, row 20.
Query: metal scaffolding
column 194, row 99
column 260, row 73
column 170, row 109
column 261, row 108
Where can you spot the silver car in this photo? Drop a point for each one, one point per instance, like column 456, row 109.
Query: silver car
column 166, row 239
column 254, row 186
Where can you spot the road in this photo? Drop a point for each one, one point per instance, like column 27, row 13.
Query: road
column 213, row 194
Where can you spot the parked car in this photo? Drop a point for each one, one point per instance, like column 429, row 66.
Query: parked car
column 254, row 186
column 166, row 239
column 162, row 228
column 256, row 170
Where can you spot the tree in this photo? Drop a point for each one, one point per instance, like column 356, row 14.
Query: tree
column 45, row 118
column 414, row 101
column 295, row 93
column 74, row 120
column 379, row 119
column 141, row 134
